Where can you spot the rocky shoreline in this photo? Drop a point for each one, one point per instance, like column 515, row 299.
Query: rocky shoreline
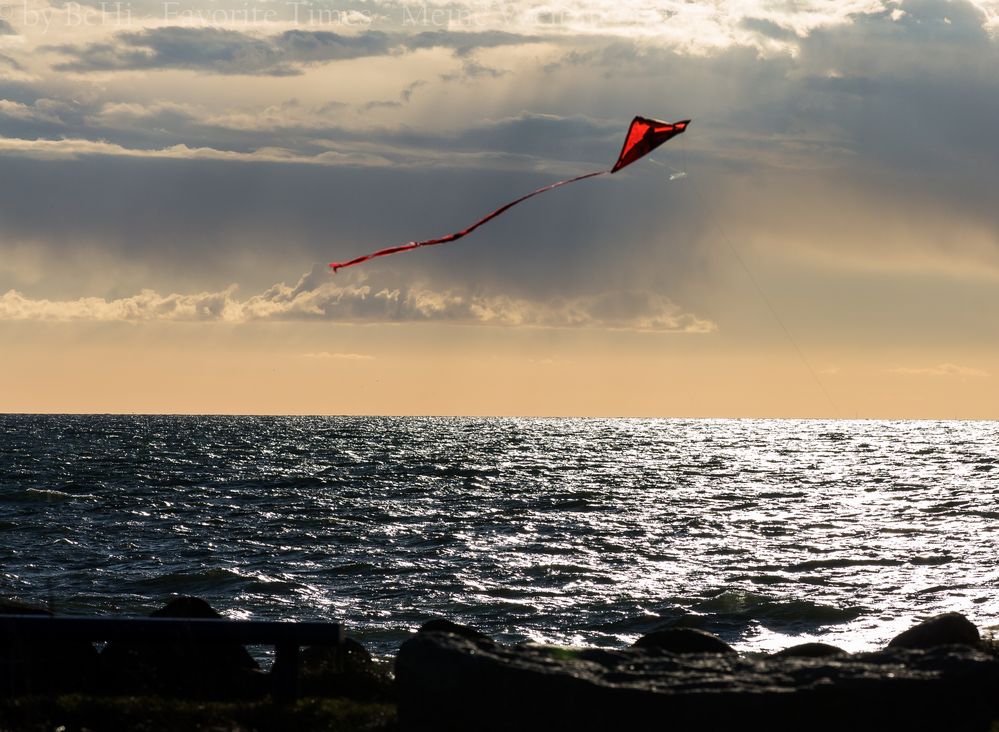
column 939, row 675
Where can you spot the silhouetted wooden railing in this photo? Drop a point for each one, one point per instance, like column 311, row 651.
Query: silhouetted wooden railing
column 286, row 637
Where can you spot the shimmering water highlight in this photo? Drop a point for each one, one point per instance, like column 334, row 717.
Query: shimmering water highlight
column 589, row 531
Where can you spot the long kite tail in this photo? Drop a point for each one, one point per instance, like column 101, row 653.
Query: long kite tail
column 459, row 234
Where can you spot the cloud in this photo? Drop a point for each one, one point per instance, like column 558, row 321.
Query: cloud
column 471, row 69
column 405, row 96
column 54, row 129
column 225, row 51
column 147, row 305
column 316, row 297
column 769, row 28
column 71, row 149
column 394, row 150
column 870, row 124
column 217, row 50
column 944, row 369
column 699, row 27
column 27, row 112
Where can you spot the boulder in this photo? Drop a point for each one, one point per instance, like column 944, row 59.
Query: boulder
column 940, row 630
column 346, row 671
column 37, row 666
column 684, row 640
column 810, row 650
column 448, row 682
column 186, row 607
column 443, row 625
column 182, row 669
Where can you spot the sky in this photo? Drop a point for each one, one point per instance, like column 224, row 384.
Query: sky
column 175, row 176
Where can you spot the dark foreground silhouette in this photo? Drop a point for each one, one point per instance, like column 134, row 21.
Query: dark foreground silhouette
column 939, row 675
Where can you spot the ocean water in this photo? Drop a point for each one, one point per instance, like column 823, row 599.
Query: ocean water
column 573, row 531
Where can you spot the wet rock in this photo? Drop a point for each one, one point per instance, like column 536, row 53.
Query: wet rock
column 810, row 650
column 13, row 607
column 447, row 682
column 346, row 671
column 182, row 669
column 940, row 630
column 37, row 666
column 443, row 625
column 186, row 607
column 684, row 640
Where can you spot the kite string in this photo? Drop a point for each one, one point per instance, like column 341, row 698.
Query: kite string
column 644, row 136
column 766, row 301
column 464, row 232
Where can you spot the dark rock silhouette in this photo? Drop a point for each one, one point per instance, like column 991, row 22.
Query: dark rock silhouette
column 182, row 669
column 43, row 666
column 684, row 640
column 810, row 650
column 348, row 671
column 443, row 625
column 940, row 630
column 448, row 682
column 186, row 607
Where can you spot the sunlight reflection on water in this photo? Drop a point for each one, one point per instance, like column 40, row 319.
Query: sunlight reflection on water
column 767, row 532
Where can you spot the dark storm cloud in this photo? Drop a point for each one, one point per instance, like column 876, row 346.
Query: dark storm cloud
column 215, row 50
column 575, row 137
column 221, row 51
column 912, row 101
column 519, row 139
column 209, row 223
column 911, row 90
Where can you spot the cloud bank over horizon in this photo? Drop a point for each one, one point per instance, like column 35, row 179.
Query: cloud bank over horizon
column 315, row 297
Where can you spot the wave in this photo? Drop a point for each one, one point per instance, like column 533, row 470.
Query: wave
column 841, row 563
column 931, row 560
column 985, row 514
column 46, row 494
column 191, row 583
column 731, row 614
column 835, row 436
column 741, row 608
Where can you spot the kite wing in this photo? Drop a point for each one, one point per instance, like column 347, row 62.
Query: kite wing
column 644, row 136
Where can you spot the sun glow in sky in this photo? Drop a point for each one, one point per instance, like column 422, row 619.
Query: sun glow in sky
column 175, row 175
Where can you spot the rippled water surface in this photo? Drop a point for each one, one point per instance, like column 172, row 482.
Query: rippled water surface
column 593, row 531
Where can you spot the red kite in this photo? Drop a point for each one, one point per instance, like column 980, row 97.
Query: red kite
column 644, row 136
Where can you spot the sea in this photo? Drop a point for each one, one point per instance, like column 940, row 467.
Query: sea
column 590, row 532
